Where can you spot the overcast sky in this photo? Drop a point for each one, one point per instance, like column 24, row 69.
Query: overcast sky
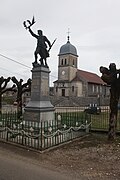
column 94, row 31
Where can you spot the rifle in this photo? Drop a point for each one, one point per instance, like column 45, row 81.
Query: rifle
column 52, row 45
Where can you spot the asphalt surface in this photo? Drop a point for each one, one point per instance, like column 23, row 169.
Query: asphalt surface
column 15, row 167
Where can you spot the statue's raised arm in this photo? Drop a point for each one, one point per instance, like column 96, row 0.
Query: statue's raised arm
column 32, row 33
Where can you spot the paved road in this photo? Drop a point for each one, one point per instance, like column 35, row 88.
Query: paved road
column 13, row 168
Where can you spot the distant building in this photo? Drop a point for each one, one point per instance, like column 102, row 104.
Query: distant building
column 73, row 82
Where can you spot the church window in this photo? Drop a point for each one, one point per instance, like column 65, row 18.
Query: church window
column 56, row 89
column 73, row 62
column 62, row 62
column 63, row 92
column 65, row 61
column 93, row 88
column 72, row 88
column 100, row 89
column 97, row 89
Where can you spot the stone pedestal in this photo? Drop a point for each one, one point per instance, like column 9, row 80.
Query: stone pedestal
column 39, row 108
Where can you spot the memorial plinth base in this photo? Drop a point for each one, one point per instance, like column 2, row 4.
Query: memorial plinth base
column 39, row 108
column 39, row 112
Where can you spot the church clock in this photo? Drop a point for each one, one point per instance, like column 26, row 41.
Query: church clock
column 63, row 73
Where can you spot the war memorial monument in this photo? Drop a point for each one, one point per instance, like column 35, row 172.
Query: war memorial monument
column 39, row 108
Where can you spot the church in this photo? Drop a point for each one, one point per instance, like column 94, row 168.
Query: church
column 74, row 82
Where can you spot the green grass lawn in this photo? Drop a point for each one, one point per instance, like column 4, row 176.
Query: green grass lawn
column 100, row 121
column 76, row 118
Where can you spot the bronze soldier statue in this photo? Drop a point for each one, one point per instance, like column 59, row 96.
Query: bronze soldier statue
column 41, row 48
column 42, row 44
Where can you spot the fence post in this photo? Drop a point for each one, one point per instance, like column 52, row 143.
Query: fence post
column 6, row 119
column 23, row 123
column 41, row 135
column 7, row 136
column 87, row 121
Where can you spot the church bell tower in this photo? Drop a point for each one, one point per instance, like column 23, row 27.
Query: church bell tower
column 67, row 69
column 68, row 62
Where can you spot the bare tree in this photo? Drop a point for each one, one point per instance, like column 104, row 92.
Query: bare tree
column 112, row 77
column 21, row 88
column 3, row 88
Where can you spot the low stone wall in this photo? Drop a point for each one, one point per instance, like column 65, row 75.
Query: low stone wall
column 78, row 101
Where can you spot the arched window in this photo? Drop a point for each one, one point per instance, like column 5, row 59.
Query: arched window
column 65, row 61
column 62, row 62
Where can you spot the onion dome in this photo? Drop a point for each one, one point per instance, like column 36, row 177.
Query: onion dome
column 68, row 48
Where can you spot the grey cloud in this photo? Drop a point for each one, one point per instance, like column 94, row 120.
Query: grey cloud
column 94, row 27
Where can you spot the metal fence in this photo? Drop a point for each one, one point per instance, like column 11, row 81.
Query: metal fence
column 43, row 135
column 69, row 123
column 101, row 122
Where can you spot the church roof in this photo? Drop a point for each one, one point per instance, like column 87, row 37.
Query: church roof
column 68, row 48
column 88, row 76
